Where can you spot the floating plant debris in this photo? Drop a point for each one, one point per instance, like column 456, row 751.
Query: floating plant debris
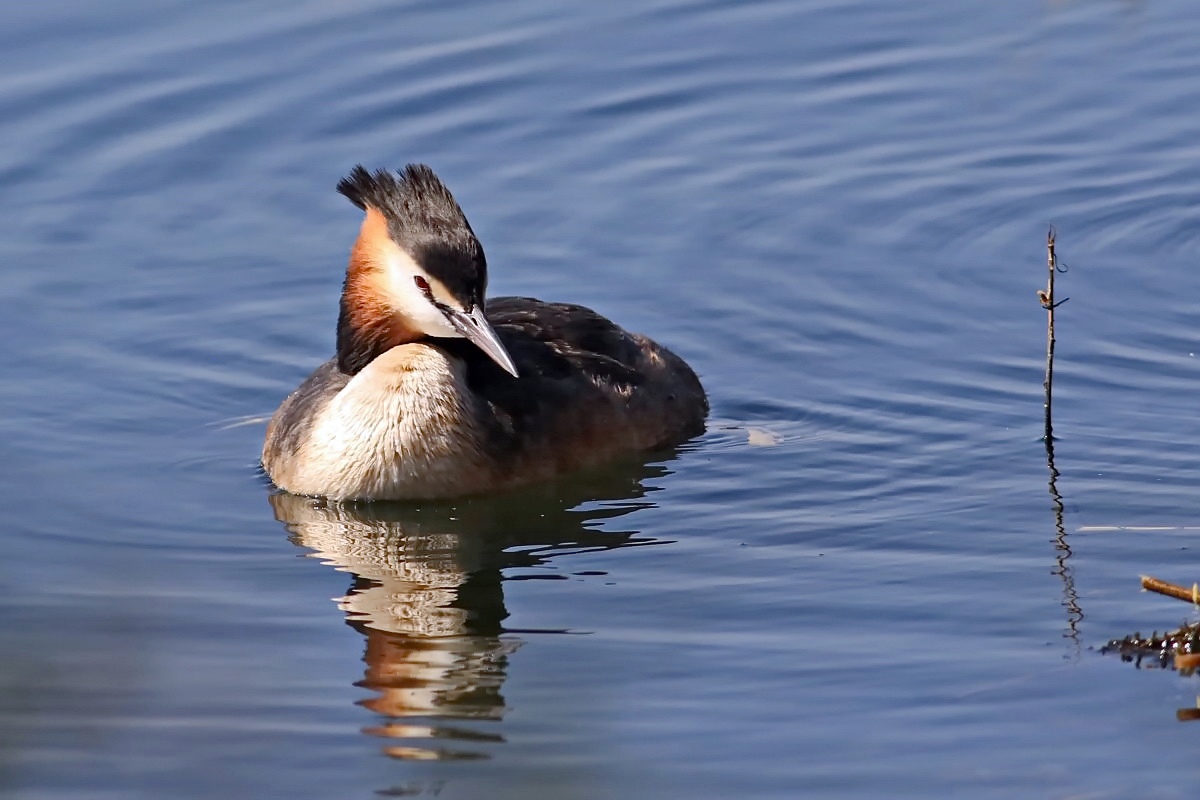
column 1178, row 649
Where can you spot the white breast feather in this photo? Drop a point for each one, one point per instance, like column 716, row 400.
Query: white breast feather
column 400, row 428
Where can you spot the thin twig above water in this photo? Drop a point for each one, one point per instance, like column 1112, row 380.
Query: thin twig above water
column 1046, row 296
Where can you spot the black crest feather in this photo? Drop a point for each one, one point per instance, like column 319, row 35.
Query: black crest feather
column 416, row 186
column 424, row 219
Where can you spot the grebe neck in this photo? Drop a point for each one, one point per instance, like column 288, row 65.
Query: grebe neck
column 366, row 329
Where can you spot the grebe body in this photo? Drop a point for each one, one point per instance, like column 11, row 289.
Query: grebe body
column 434, row 394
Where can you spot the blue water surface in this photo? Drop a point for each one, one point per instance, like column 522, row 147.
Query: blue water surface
column 853, row 586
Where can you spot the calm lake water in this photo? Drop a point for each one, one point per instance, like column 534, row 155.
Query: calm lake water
column 850, row 587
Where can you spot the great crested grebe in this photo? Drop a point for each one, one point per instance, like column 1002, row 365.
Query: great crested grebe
column 433, row 394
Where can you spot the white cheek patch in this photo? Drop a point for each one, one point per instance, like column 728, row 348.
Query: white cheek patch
column 400, row 283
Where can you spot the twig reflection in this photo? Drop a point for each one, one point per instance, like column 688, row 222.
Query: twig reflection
column 1063, row 555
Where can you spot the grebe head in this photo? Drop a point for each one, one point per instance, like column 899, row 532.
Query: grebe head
column 416, row 271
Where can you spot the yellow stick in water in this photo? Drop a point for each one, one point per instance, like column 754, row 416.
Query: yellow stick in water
column 1186, row 594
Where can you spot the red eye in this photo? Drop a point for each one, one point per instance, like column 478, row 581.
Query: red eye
column 422, row 284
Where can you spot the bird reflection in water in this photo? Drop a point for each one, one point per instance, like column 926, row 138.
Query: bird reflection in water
column 428, row 593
